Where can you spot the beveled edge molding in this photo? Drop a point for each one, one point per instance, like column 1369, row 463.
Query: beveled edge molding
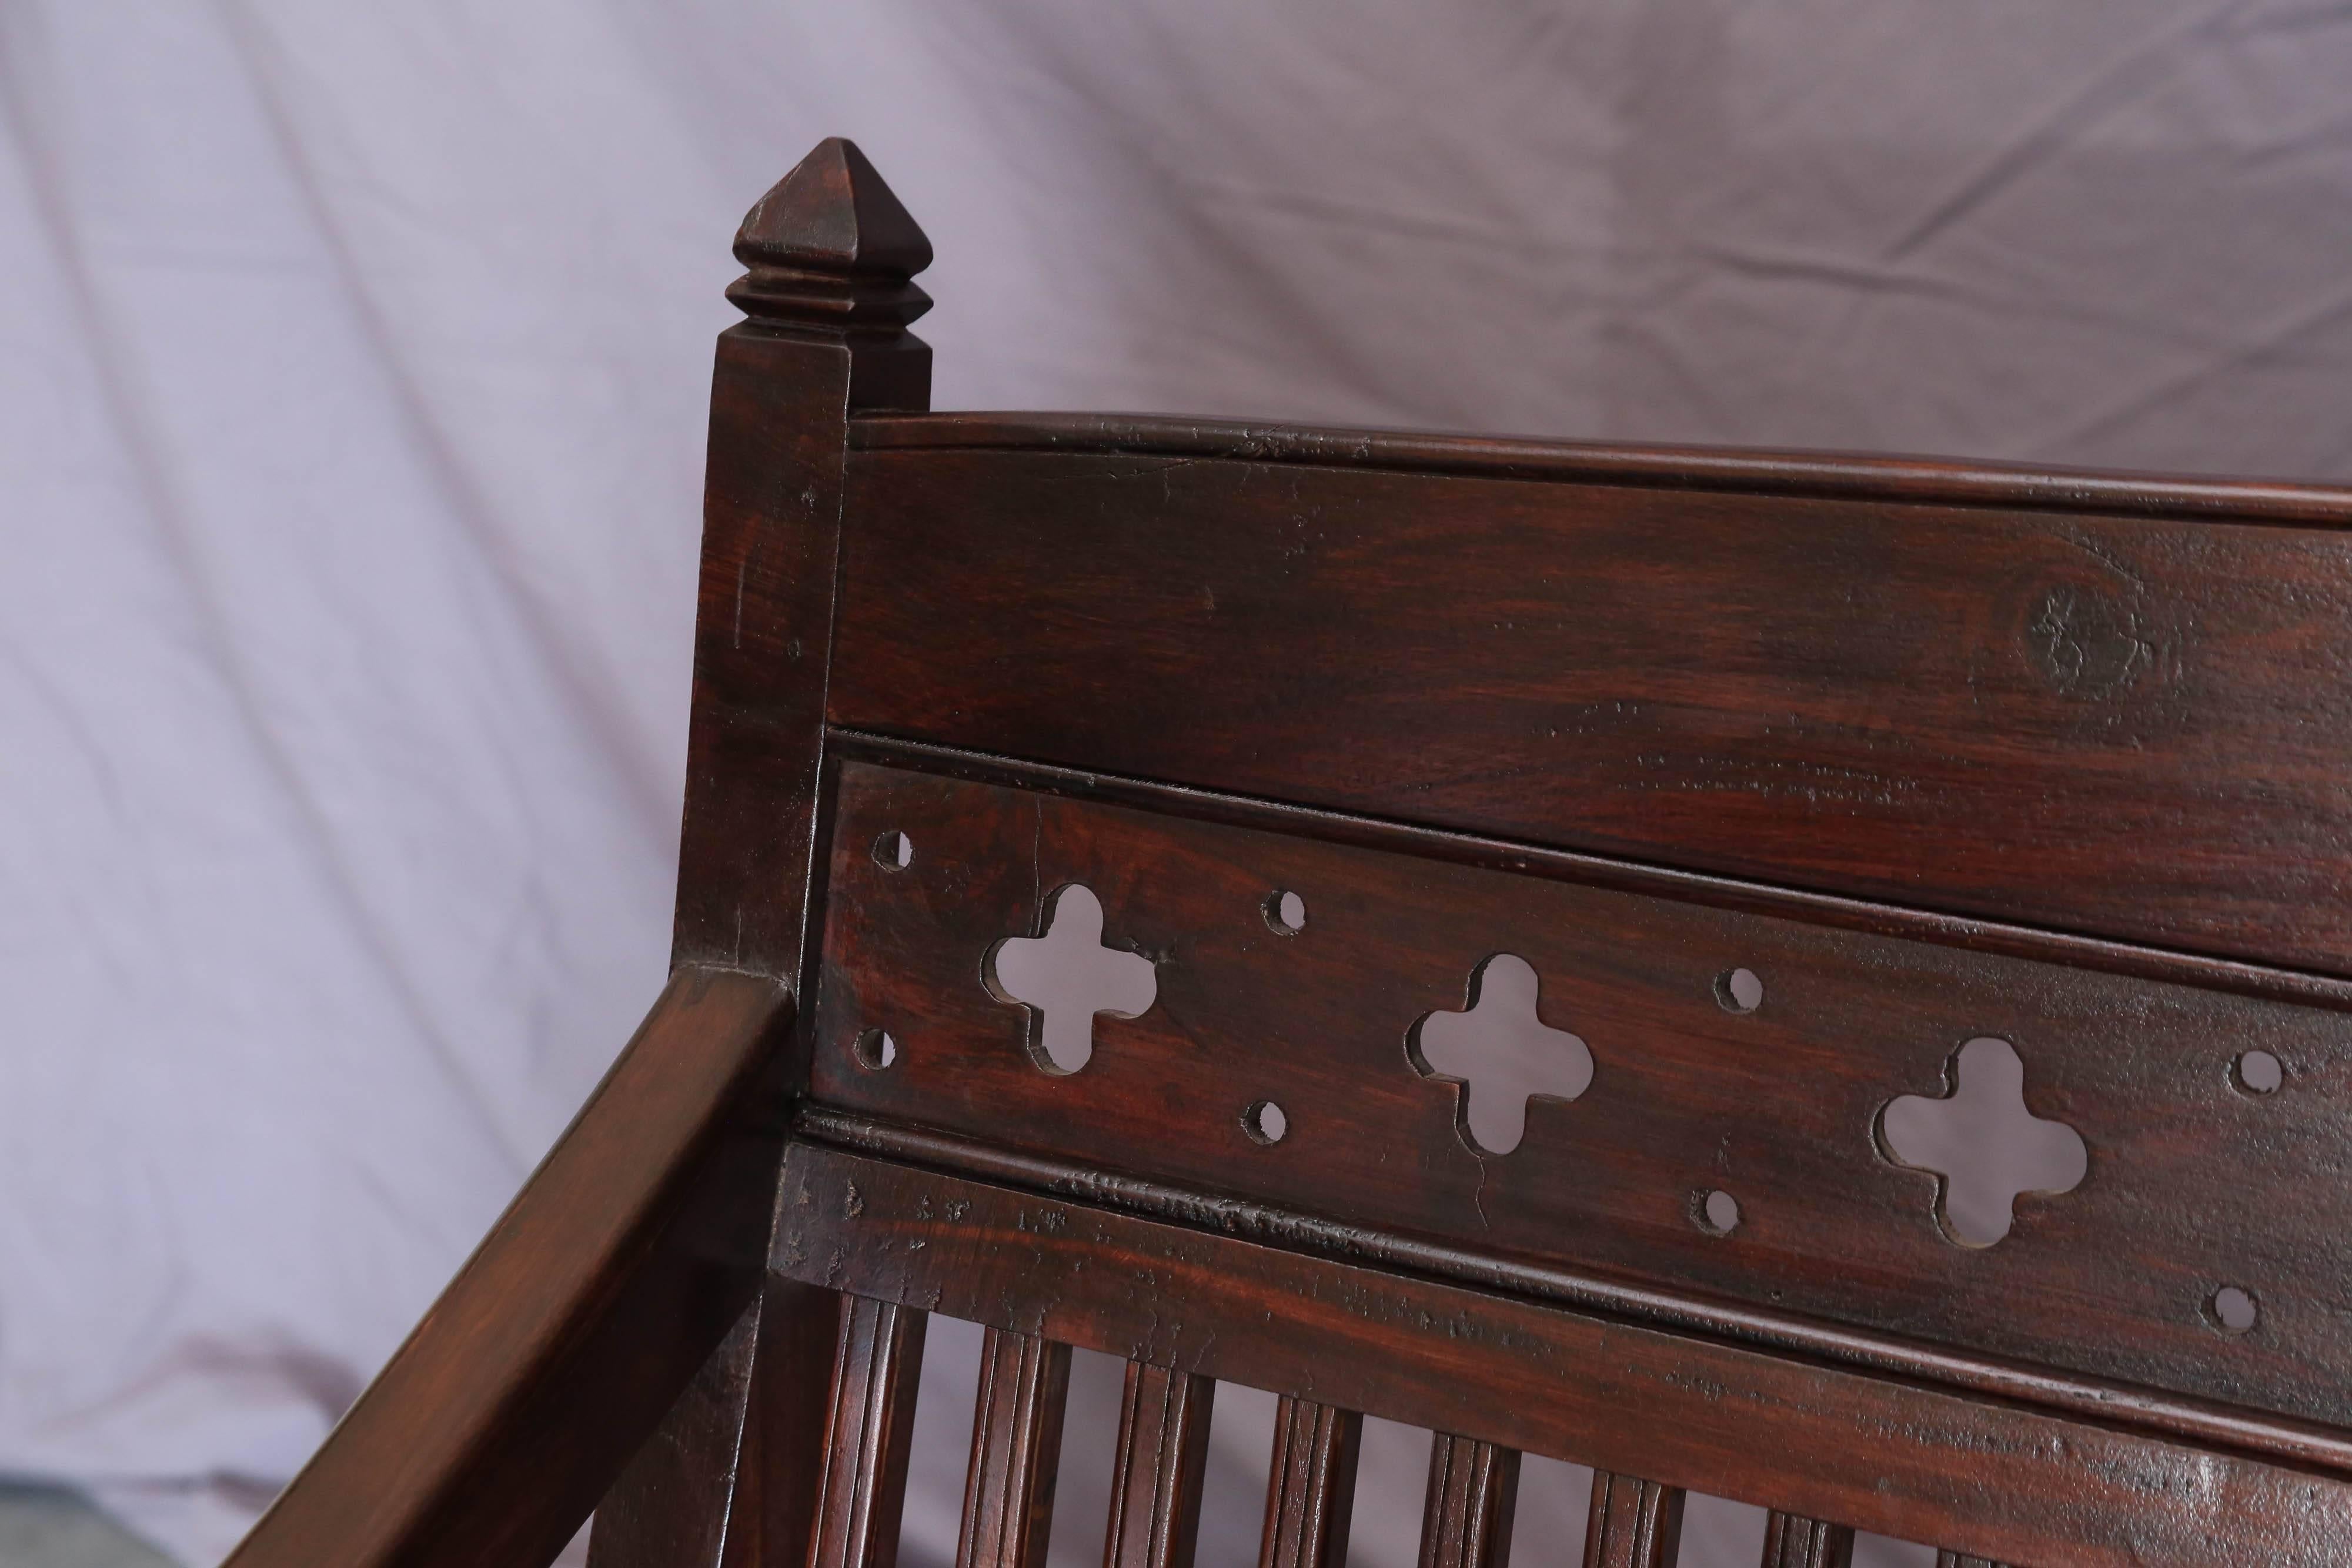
column 2109, row 1403
column 1821, row 475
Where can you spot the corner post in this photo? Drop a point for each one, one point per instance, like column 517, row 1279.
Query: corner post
column 828, row 293
column 832, row 258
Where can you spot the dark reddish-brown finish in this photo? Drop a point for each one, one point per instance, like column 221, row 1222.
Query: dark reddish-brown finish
column 1883, row 1454
column 1790, row 1542
column 762, row 1403
column 1941, row 751
column 489, row 1436
column 1162, row 1458
column 1016, row 1450
column 1474, row 1489
column 2136, row 726
column 1633, row 1524
column 829, row 294
column 1804, row 476
column 863, row 1484
column 1310, row 1489
column 1778, row 1106
column 831, row 257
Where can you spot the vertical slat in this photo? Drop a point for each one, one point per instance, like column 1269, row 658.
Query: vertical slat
column 864, row 1489
column 1016, row 1448
column 1311, row 1488
column 1791, row 1540
column 1635, row 1523
column 1163, row 1452
column 1473, row 1489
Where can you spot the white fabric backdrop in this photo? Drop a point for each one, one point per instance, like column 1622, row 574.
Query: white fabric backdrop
column 352, row 370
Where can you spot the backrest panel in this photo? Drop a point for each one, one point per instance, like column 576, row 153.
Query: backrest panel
column 2132, row 726
column 1560, row 926
column 1654, row 1083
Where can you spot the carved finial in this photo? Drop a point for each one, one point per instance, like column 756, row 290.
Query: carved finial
column 830, row 245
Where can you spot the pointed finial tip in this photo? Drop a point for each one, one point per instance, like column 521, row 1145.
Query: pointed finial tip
column 833, row 214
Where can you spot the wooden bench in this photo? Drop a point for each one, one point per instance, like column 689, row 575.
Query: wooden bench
column 1803, row 816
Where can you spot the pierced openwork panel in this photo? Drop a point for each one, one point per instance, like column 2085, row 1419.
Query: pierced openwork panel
column 1757, row 1122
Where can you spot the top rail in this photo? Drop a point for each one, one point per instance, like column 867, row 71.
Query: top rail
column 1835, row 474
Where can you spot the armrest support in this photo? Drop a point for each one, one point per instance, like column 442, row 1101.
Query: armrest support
column 493, row 1431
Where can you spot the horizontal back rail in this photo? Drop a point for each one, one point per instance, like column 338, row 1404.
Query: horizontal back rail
column 1676, row 1411
column 1784, row 1104
column 2129, row 723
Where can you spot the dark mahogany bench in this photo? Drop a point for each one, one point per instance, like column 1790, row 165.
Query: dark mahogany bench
column 1824, row 826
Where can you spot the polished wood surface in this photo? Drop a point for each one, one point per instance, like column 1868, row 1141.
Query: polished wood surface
column 1016, row 1452
column 2125, row 725
column 1474, row 1490
column 862, row 1486
column 1827, row 476
column 1793, row 1541
column 1635, row 1523
column 1777, row 1106
column 758, row 1408
column 1310, row 1490
column 1160, row 1460
column 828, row 293
column 1876, row 1452
column 2196, row 1422
column 639, row 1241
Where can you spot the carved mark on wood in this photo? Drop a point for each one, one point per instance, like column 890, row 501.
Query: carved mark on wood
column 1981, row 1142
column 1502, row 1054
column 2086, row 643
column 1065, row 975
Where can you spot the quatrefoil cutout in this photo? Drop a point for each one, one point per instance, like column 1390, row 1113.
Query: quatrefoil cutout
column 1982, row 1143
column 1065, row 975
column 1501, row 1052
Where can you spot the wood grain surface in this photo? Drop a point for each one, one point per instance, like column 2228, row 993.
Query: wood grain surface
column 619, row 1266
column 2136, row 726
column 1876, row 1453
column 1777, row 1107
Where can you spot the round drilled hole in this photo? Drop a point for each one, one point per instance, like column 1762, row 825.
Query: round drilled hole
column 1265, row 1122
column 2231, row 1310
column 1717, row 1212
column 1739, row 990
column 894, row 850
column 1285, row 912
column 874, row 1049
column 2257, row 1072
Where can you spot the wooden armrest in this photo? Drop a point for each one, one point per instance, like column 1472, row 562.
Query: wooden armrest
column 493, row 1431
